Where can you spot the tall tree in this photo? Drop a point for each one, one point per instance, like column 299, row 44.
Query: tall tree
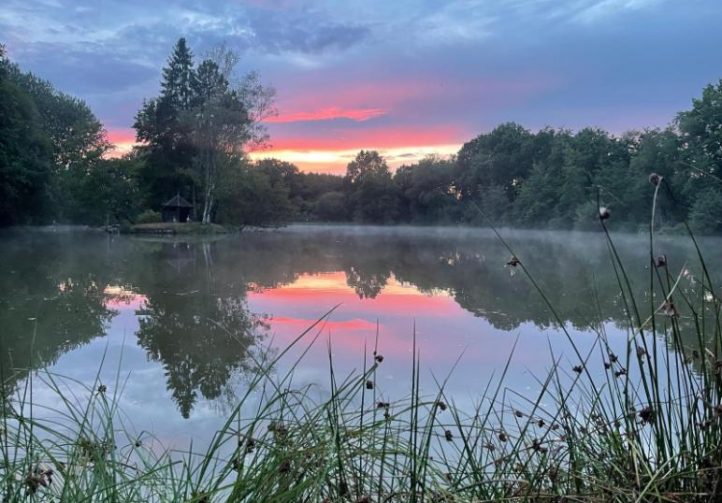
column 161, row 125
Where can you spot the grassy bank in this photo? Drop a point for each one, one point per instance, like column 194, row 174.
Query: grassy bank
column 648, row 430
column 188, row 228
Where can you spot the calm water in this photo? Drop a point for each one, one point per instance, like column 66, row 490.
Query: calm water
column 181, row 323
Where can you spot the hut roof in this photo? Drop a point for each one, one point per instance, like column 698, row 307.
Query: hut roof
column 177, row 202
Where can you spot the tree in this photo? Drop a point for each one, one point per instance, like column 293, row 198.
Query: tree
column 25, row 156
column 249, row 197
column 427, row 190
column 701, row 129
column 371, row 194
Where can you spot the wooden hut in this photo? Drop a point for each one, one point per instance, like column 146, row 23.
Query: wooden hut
column 176, row 210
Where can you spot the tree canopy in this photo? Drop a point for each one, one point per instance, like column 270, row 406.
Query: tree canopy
column 194, row 138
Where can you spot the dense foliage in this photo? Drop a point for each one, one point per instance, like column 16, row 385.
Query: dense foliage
column 51, row 157
column 195, row 134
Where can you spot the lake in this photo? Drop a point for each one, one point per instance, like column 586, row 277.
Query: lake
column 176, row 327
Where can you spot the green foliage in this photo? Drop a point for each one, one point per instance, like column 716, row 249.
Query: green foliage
column 197, row 126
column 706, row 212
column 331, row 207
column 25, row 157
column 371, row 194
column 148, row 217
column 253, row 196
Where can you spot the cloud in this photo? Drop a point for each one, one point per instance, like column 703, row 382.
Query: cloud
column 329, row 113
column 599, row 9
column 307, row 33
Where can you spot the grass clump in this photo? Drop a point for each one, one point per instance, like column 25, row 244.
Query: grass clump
column 649, row 429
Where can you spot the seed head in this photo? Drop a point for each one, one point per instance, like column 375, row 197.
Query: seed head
column 604, row 213
column 647, row 414
column 513, row 261
column 369, row 384
column 448, row 436
column 654, row 179
column 669, row 309
column 641, row 352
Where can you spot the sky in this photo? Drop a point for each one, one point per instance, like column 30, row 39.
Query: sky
column 407, row 78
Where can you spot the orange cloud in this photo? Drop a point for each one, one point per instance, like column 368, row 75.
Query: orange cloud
column 329, row 113
column 331, row 152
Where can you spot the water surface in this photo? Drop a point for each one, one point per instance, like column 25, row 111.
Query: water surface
column 179, row 325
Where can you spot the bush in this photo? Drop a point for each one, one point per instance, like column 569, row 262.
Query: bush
column 148, row 217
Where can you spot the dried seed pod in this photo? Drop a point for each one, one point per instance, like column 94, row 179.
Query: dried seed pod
column 604, row 213
column 647, row 414
column 578, row 368
column 641, row 352
column 654, row 179
column 448, row 436
column 369, row 384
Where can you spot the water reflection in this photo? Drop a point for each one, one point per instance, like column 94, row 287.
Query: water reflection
column 197, row 309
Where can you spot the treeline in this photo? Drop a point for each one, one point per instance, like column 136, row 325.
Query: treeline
column 51, row 156
column 194, row 137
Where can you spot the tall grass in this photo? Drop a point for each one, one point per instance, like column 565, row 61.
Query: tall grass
column 649, row 430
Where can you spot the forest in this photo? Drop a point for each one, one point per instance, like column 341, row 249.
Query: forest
column 194, row 139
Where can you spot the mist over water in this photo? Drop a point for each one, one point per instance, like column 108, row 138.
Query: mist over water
column 180, row 325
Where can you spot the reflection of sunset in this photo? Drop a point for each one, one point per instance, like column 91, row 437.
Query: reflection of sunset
column 352, row 326
column 120, row 298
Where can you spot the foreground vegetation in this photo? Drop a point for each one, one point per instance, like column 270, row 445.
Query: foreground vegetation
column 195, row 135
column 647, row 431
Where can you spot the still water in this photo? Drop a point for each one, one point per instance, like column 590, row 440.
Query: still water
column 177, row 326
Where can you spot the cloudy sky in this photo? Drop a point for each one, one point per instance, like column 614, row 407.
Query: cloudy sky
column 406, row 77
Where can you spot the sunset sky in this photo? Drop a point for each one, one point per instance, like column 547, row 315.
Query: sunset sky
column 404, row 77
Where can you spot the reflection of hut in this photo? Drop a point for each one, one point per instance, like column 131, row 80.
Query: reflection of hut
column 177, row 210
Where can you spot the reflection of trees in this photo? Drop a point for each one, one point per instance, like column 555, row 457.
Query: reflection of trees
column 195, row 322
column 574, row 271
column 366, row 284
column 51, row 301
